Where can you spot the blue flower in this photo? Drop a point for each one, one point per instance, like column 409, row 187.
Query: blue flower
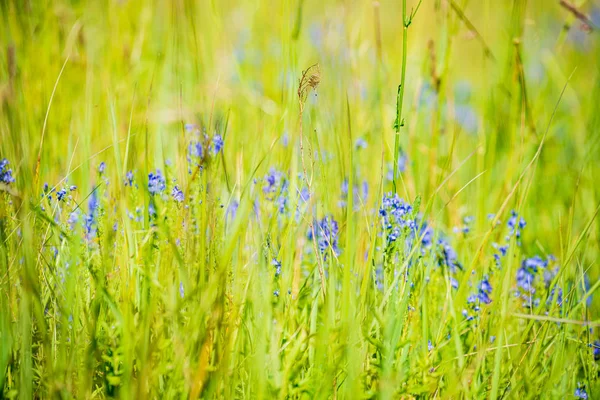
column 326, row 231
column 232, row 210
column 5, row 172
column 596, row 350
column 396, row 215
column 129, row 178
column 181, row 290
column 90, row 218
column 217, row 145
column 453, row 282
column 580, row 393
column 485, row 289
column 60, row 195
column 448, row 256
column 515, row 225
column 274, row 182
column 426, row 234
column 277, row 266
column 73, row 219
column 156, row 182
column 102, row 167
column 195, row 154
column 360, row 143
column 177, row 194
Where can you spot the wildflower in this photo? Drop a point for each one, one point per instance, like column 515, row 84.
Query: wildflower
column 129, row 178
column 515, row 225
column 396, row 216
column 73, row 219
column 5, row 172
column 448, row 256
column 466, row 227
column 60, row 195
column 232, row 210
column 596, row 350
column 277, row 265
column 195, row 153
column 580, row 393
column 156, row 182
column 360, row 143
column 151, row 209
column 181, row 291
column 426, row 234
column 276, row 293
column 217, row 145
column 285, row 140
column 453, row 282
column 485, row 289
column 274, row 182
column 90, row 218
column 102, row 167
column 177, row 194
column 429, row 345
column 326, row 231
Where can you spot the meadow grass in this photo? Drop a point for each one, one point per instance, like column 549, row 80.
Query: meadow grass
column 299, row 199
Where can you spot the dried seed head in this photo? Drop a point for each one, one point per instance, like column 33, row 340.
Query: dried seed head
column 311, row 77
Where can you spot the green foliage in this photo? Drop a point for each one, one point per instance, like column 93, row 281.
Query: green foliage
column 271, row 268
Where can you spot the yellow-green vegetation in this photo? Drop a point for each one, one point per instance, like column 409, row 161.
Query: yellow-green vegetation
column 299, row 199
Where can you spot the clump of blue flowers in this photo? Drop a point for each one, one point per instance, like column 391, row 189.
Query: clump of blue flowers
column 397, row 216
column 326, row 231
column 276, row 189
column 5, row 172
column 529, row 279
column 156, row 182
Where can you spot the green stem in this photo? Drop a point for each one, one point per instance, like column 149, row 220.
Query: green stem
column 400, row 97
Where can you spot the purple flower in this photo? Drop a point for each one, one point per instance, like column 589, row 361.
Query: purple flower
column 102, row 167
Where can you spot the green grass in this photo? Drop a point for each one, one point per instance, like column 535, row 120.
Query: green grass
column 497, row 110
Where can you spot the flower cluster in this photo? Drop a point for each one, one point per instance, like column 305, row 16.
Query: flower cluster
column 528, row 279
column 156, row 182
column 276, row 189
column 5, row 172
column 326, row 231
column 397, row 216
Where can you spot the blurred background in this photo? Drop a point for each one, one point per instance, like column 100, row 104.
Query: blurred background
column 483, row 77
